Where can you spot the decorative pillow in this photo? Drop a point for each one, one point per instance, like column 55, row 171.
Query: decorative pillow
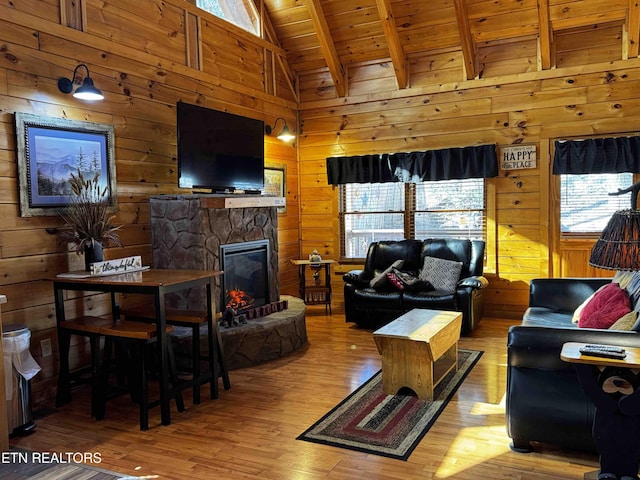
column 380, row 279
column 633, row 290
column 607, row 305
column 622, row 278
column 626, row 322
column 578, row 311
column 442, row 274
column 410, row 282
column 395, row 280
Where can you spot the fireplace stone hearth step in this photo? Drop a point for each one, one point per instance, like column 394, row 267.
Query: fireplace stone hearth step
column 257, row 341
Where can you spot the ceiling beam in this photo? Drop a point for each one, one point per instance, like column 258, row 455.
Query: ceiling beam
column 398, row 57
column 466, row 40
column 270, row 34
column 336, row 69
column 633, row 28
column 545, row 34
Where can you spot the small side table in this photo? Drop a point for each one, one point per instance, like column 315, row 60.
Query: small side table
column 319, row 293
column 616, row 425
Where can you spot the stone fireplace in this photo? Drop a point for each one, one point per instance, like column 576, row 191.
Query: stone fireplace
column 212, row 232
column 188, row 232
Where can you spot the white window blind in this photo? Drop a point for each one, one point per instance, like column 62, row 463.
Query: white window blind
column 394, row 211
column 585, row 203
column 371, row 212
column 450, row 209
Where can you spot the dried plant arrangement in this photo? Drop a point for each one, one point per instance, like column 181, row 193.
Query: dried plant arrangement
column 87, row 216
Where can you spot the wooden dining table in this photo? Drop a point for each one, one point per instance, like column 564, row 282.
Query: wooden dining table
column 156, row 283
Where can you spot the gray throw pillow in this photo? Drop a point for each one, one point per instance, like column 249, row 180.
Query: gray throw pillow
column 442, row 274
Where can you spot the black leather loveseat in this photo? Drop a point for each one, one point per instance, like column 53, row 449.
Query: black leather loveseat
column 544, row 400
column 373, row 307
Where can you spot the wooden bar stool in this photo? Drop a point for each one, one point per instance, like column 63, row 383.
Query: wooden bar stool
column 138, row 336
column 192, row 319
column 85, row 326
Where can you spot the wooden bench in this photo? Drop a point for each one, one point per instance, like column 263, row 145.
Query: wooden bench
column 418, row 349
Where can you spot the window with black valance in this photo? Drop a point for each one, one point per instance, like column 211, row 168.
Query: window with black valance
column 413, row 167
column 597, row 155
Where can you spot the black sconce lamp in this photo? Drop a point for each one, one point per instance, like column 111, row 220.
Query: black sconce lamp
column 86, row 91
column 285, row 135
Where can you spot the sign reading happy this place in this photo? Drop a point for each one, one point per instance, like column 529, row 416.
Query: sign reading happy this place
column 518, row 157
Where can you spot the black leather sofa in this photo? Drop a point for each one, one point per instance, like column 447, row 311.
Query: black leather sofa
column 373, row 307
column 544, row 400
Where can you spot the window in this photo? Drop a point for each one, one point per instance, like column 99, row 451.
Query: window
column 370, row 212
column 241, row 13
column 450, row 209
column 585, row 203
column 392, row 211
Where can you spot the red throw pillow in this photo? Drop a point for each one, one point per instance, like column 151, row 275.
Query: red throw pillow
column 395, row 281
column 607, row 305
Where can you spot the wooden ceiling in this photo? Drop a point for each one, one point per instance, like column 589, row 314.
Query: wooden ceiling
column 336, row 34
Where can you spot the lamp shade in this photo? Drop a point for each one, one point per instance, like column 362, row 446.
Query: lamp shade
column 286, row 134
column 87, row 91
column 618, row 247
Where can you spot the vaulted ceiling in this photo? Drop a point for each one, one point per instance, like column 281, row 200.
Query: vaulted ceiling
column 337, row 34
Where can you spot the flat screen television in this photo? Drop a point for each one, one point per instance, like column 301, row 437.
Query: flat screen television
column 219, row 150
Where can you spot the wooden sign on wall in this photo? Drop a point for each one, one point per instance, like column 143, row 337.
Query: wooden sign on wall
column 518, row 157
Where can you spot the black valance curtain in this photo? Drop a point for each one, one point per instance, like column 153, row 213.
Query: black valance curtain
column 360, row 169
column 597, row 155
column 431, row 165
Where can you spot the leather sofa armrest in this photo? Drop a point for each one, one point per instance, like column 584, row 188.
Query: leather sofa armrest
column 358, row 278
column 476, row 282
column 539, row 347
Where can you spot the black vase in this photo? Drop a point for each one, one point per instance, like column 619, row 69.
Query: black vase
column 92, row 253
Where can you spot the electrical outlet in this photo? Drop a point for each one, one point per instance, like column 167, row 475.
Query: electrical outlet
column 45, row 347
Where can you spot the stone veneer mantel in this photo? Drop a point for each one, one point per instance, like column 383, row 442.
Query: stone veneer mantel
column 187, row 231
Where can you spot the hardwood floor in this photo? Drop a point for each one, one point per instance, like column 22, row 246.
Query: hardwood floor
column 249, row 432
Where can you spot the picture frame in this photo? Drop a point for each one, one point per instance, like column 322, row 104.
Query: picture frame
column 50, row 150
column 275, row 182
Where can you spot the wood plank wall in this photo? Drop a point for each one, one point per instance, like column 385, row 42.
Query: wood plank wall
column 148, row 54
column 145, row 56
column 591, row 92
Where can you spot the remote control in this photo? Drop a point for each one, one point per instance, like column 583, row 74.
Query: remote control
column 597, row 352
column 606, row 348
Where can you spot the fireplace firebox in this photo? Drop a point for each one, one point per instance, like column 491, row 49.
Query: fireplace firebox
column 245, row 278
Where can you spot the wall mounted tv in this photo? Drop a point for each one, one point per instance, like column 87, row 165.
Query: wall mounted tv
column 219, row 151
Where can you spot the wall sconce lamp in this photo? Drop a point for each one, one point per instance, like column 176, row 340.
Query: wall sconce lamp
column 285, row 134
column 86, row 91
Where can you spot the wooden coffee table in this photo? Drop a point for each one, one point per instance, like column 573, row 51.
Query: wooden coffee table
column 418, row 349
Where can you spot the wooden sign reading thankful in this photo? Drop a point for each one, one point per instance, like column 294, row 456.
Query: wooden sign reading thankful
column 117, row 265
